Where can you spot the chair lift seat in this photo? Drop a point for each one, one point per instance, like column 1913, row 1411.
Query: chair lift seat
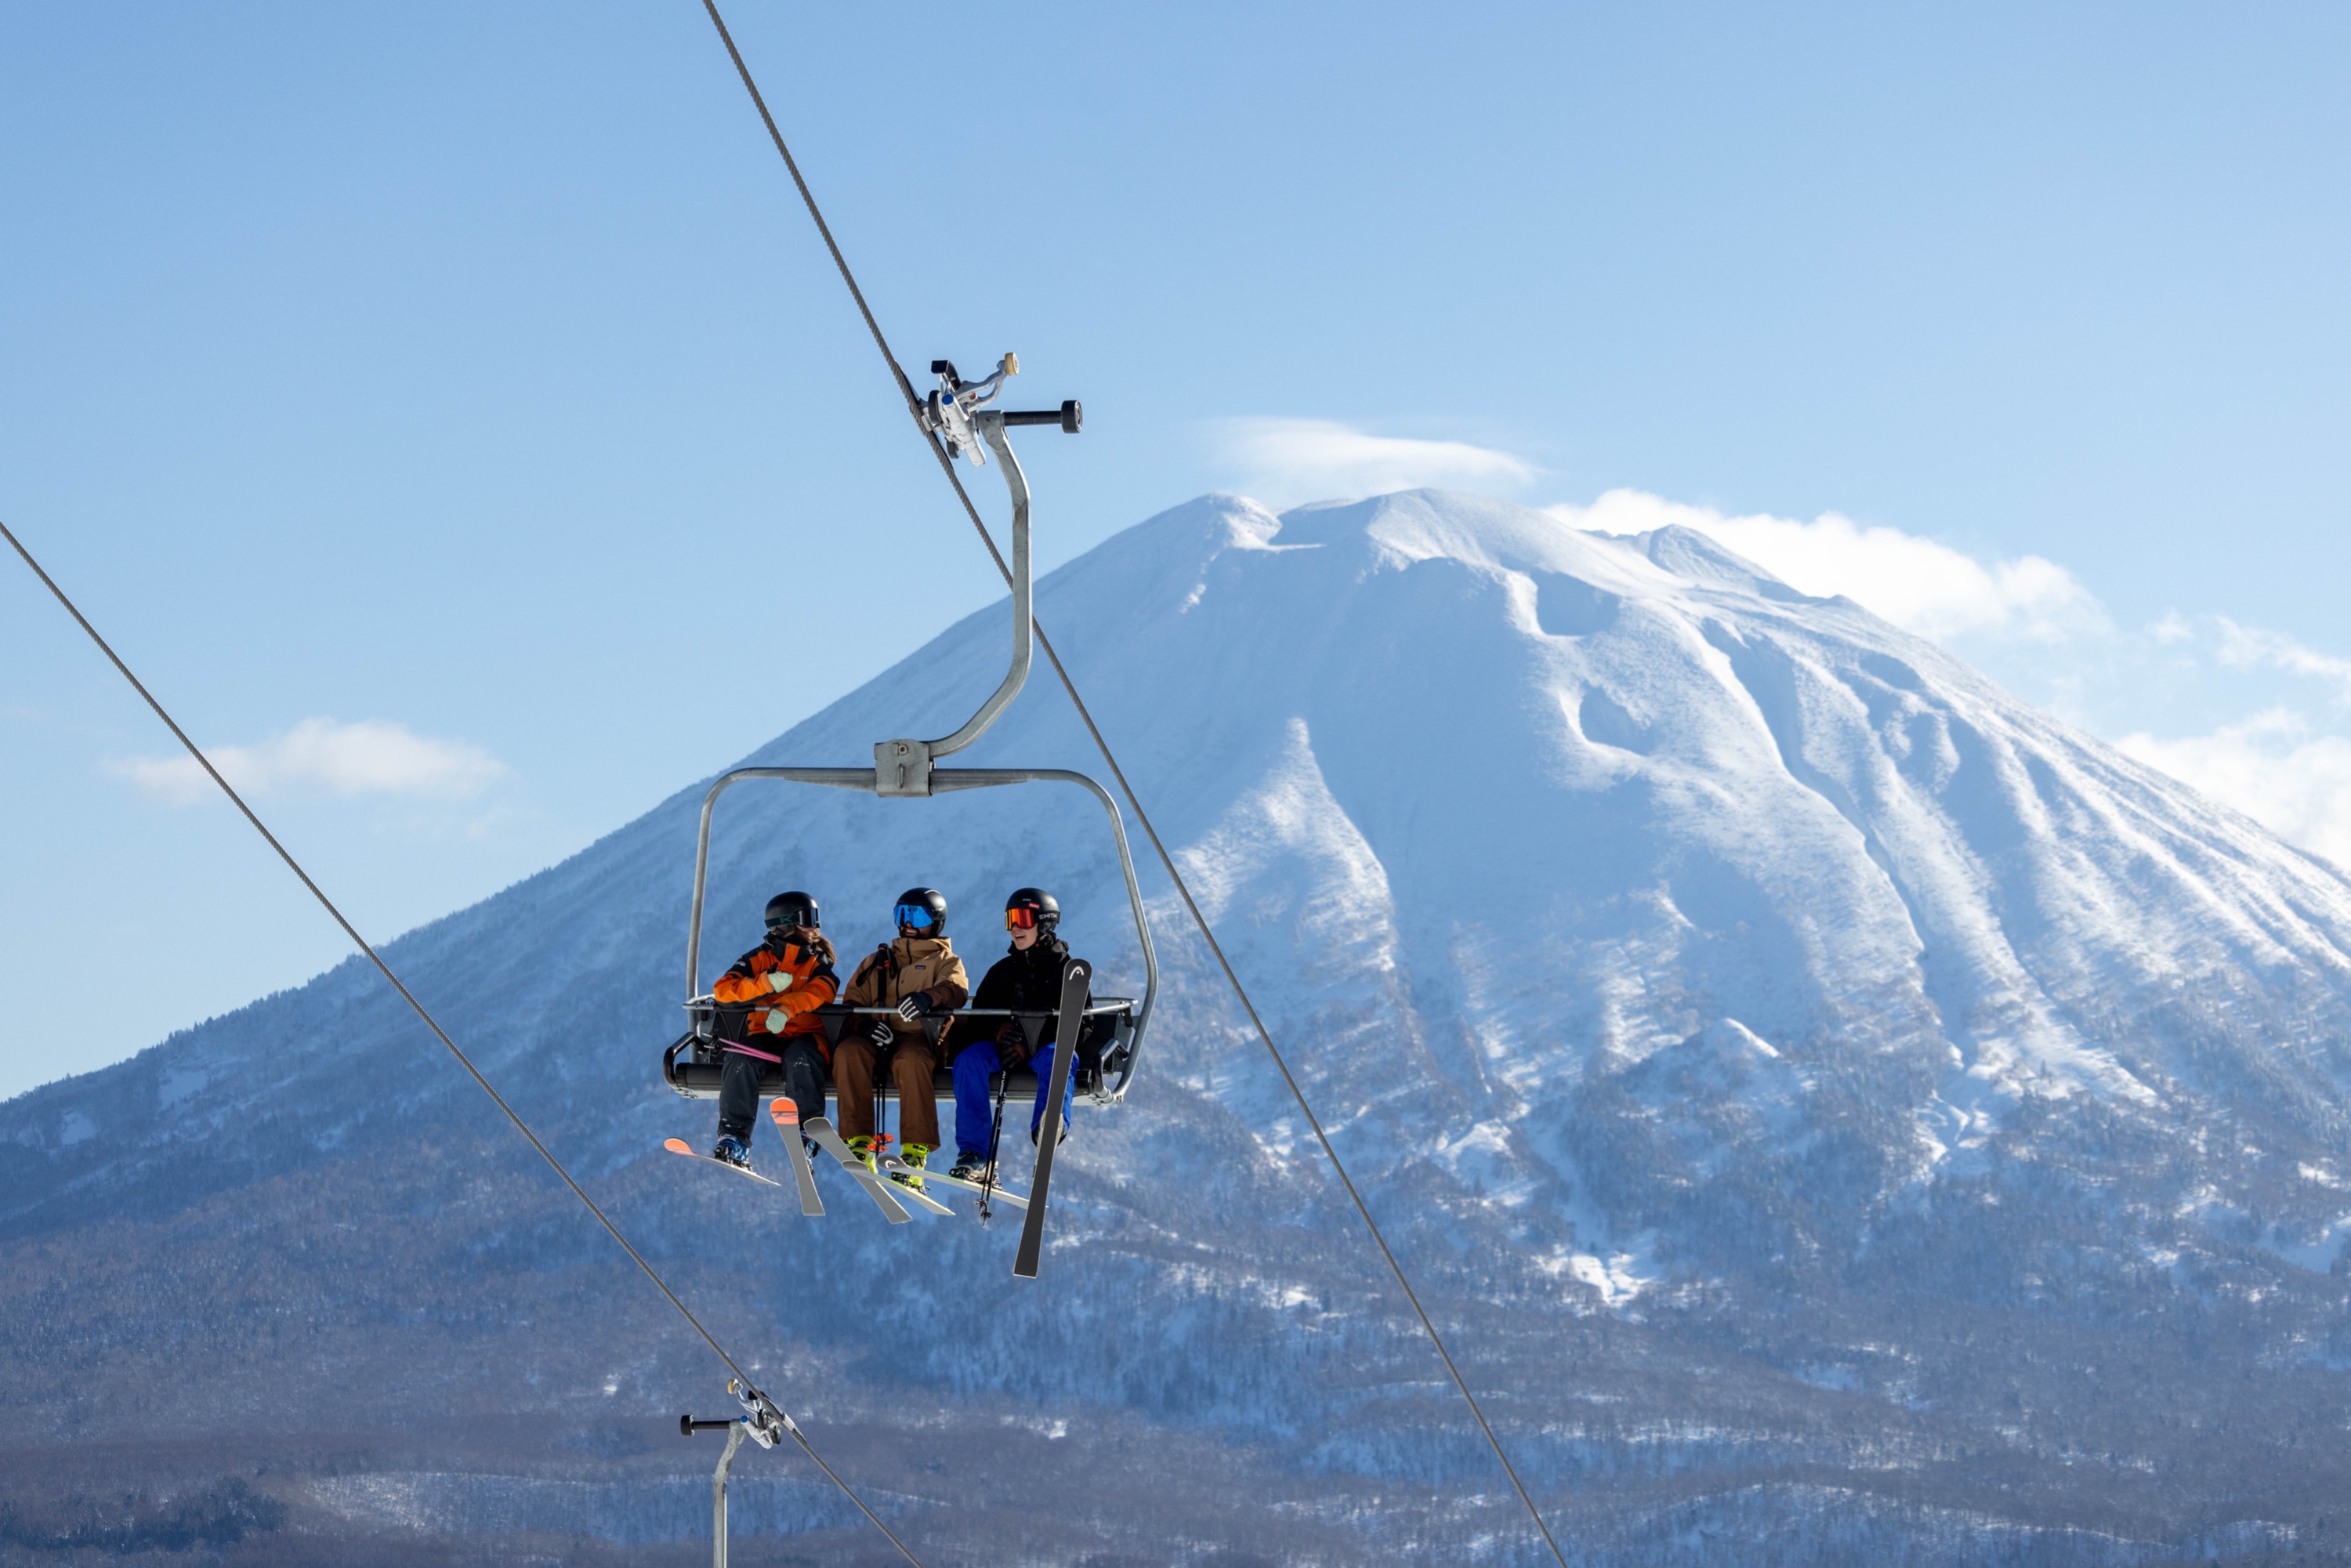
column 695, row 1065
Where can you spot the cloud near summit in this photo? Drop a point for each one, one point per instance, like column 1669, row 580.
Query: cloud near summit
column 320, row 755
column 2026, row 621
column 1282, row 462
column 1919, row 585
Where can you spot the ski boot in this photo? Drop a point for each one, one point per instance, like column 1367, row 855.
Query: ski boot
column 867, row 1150
column 732, row 1150
column 970, row 1168
column 912, row 1158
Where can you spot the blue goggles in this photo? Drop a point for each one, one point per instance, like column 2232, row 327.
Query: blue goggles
column 917, row 915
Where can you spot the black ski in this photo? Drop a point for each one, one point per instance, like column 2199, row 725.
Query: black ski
column 1075, row 976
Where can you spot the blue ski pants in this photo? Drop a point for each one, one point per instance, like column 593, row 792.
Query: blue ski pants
column 974, row 1066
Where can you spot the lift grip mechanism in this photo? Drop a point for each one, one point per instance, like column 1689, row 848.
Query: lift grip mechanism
column 761, row 1421
column 1071, row 416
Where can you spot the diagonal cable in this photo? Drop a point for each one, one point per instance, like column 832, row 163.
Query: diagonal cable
column 947, row 465
column 440, row 1034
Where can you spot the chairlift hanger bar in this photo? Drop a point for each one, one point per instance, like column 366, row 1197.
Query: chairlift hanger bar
column 958, row 415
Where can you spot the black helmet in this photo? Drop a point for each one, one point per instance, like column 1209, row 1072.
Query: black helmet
column 789, row 909
column 922, row 912
column 1044, row 911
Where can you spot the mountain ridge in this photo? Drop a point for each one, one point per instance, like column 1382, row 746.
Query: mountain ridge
column 1791, row 1070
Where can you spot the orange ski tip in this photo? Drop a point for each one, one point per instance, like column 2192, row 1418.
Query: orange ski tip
column 781, row 1117
column 678, row 1146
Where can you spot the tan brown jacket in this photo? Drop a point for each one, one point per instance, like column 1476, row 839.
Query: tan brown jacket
column 892, row 974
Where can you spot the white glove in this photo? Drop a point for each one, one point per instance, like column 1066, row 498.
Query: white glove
column 780, row 980
column 778, row 1020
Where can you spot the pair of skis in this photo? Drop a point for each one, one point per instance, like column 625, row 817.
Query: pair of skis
column 887, row 1192
column 820, row 1133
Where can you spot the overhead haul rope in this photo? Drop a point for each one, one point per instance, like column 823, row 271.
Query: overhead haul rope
column 441, row 1035
column 946, row 466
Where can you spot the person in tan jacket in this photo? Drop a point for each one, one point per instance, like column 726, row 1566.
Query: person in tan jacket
column 917, row 977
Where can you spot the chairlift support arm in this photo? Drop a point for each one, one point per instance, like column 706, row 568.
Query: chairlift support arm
column 959, row 414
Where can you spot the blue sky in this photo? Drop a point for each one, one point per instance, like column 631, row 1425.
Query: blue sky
column 450, row 408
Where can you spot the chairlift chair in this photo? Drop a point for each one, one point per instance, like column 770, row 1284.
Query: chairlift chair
column 1104, row 1059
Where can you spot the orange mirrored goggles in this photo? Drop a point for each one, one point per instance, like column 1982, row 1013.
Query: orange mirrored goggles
column 1022, row 918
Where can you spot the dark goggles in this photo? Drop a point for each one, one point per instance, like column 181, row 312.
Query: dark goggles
column 917, row 915
column 795, row 921
column 1023, row 917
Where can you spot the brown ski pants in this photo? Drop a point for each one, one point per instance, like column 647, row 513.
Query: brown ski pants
column 911, row 1063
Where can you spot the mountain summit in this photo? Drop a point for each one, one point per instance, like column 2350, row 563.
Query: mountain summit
column 1836, row 1112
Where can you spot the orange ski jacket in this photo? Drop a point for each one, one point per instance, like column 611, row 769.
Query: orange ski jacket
column 790, row 1013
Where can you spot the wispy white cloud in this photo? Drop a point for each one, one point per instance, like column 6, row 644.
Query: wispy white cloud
column 1285, row 461
column 2274, row 769
column 2253, row 648
column 321, row 756
column 1917, row 583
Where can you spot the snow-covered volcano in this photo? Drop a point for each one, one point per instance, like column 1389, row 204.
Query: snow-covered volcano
column 1832, row 1108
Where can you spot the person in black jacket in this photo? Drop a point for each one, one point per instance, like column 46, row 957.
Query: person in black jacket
column 1027, row 978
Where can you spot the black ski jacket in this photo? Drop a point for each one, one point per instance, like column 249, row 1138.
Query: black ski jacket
column 1029, row 982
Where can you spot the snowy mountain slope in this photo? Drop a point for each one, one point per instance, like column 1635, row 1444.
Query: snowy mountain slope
column 1816, row 1091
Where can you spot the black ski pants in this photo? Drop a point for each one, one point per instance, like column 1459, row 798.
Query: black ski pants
column 739, row 1090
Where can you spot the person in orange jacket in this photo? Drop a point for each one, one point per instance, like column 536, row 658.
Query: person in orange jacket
column 916, row 977
column 777, row 987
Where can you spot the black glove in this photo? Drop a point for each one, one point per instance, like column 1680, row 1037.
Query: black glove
column 916, row 1005
column 881, row 1034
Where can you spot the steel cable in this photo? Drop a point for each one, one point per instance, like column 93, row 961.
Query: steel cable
column 946, row 466
column 440, row 1034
